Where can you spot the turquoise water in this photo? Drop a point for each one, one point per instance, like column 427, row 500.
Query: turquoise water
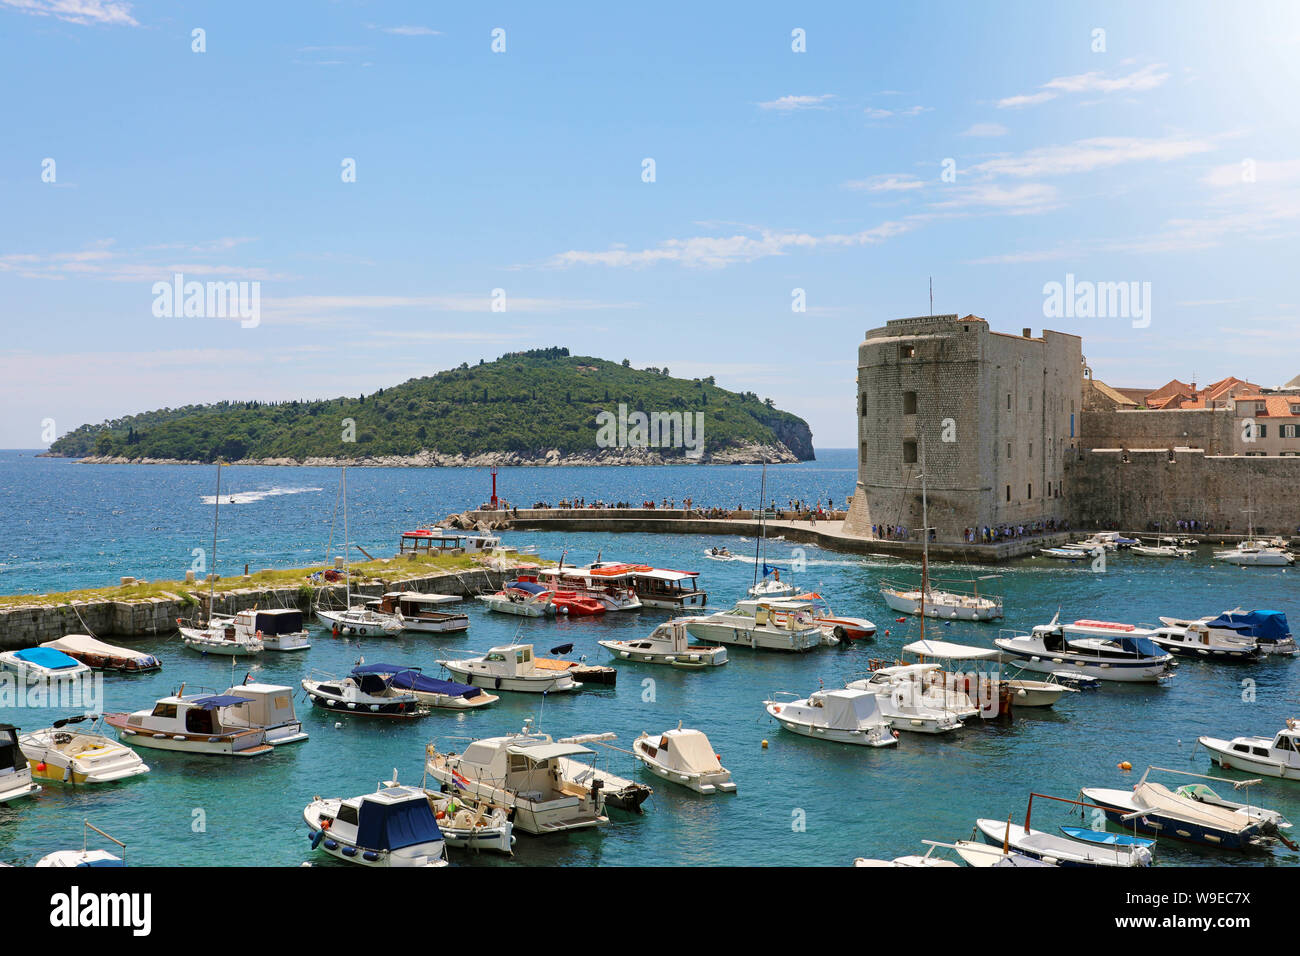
column 64, row 525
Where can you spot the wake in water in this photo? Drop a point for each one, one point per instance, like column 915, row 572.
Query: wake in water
column 250, row 497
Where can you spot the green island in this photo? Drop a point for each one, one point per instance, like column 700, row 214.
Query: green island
column 537, row 405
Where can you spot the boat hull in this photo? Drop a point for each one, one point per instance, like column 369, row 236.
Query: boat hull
column 754, row 637
column 875, row 737
column 1221, row 753
column 689, row 659
column 528, row 685
column 1119, row 804
column 901, row 602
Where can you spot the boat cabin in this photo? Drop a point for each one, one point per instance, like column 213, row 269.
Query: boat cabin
column 444, row 540
column 270, row 623
column 413, row 604
column 510, row 660
column 201, row 714
column 12, row 761
column 262, row 706
column 525, row 765
column 660, row 587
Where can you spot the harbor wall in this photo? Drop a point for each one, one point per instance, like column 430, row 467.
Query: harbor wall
column 1209, row 429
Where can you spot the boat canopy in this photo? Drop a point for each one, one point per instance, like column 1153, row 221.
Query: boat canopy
column 46, row 657
column 531, row 587
column 544, row 751
column 84, row 644
column 1143, row 647
column 403, row 819
column 285, row 621
column 952, row 652
column 411, row 679
column 362, row 669
column 1266, row 626
column 689, row 750
column 214, row 701
column 849, row 708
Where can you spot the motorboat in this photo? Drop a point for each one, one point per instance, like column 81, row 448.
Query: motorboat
column 844, row 716
column 720, row 554
column 521, row 772
column 1198, row 641
column 936, row 688
column 574, row 604
column 43, row 665
column 1276, row 756
column 15, row 772
column 1273, row 822
column 267, row 707
column 904, row 704
column 662, row 587
column 767, row 625
column 99, row 656
column 434, row 692
column 610, row 584
column 469, row 825
column 278, row 629
column 200, row 723
column 1154, row 808
column 62, row 754
column 1065, row 554
column 842, row 629
column 522, row 599
column 1268, row 630
column 86, row 857
column 1060, row 850
column 1024, row 692
column 1254, row 554
column 220, row 637
column 669, row 643
column 367, row 691
column 394, row 826
column 588, row 675
column 918, row 860
column 510, row 667
column 619, row 792
column 1102, row 649
column 416, row 612
column 684, row 757
column 1161, row 551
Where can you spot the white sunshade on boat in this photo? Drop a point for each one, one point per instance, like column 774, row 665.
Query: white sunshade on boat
column 952, row 652
column 849, row 708
column 539, row 752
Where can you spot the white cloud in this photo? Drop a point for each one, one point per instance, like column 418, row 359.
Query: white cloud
column 876, row 113
column 83, row 12
column 412, row 31
column 1021, row 199
column 788, row 103
column 887, row 182
column 985, row 129
column 1087, row 155
column 1139, row 81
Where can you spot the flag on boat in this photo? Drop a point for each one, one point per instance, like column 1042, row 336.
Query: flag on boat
column 459, row 781
column 768, row 569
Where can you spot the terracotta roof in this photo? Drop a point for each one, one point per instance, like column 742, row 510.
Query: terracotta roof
column 1138, row 395
column 1170, row 388
column 1217, row 390
column 1277, row 406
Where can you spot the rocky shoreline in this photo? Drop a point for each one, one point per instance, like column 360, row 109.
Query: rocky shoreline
column 740, row 455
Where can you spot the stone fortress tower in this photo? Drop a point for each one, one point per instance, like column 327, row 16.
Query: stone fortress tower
column 995, row 417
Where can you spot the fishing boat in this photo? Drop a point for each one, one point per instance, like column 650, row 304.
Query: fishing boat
column 843, row 716
column 200, row 723
column 15, row 773
column 1154, row 808
column 79, row 757
column 609, row 584
column 521, row 772
column 1103, row 649
column 415, row 612
column 1058, row 849
column 522, row 599
column 669, row 643
column 663, row 587
column 1276, row 756
column 278, row 629
column 355, row 619
column 619, row 792
column 684, row 757
column 43, row 665
column 434, row 692
column 367, row 691
column 86, row 857
column 1198, row 641
column 99, row 656
column 511, row 667
column 394, row 826
column 1268, row 630
column 763, row 625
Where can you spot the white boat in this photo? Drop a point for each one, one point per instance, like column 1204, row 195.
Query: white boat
column 434, row 692
column 1267, row 630
column 903, row 703
column 368, row 691
column 99, row 656
column 15, row 773
column 1161, row 551
column 266, row 707
column 937, row 689
column 609, row 584
column 1059, row 850
column 684, row 757
column 946, row 604
column 521, row 772
column 78, row 757
column 522, row 599
column 469, row 825
column 85, row 857
column 773, row 587
column 669, row 643
column 1101, row 649
column 1254, row 553
column 1197, row 640
column 394, row 826
column 1024, row 692
column 837, row 626
column 662, row 587
column 972, row 853
column 1276, row 756
column 1065, row 554
column 911, row 860
column 278, row 629
column 767, row 625
column 43, row 665
column 1154, row 808
column 220, row 637
column 844, row 716
column 416, row 612
column 617, row 792
column 200, row 723
column 510, row 667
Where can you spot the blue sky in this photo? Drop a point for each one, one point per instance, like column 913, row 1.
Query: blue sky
column 1171, row 157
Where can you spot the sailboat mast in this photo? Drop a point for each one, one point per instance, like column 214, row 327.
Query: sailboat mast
column 212, row 571
column 347, row 575
column 925, row 541
column 761, row 543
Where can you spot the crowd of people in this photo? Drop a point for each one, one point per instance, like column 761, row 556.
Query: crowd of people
column 795, row 508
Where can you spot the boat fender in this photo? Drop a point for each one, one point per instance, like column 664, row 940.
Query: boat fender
column 498, row 684
column 362, row 632
column 316, row 838
column 370, row 856
column 895, row 733
column 40, row 767
column 775, row 709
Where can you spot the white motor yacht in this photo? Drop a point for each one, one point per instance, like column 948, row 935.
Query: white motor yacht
column 769, row 625
column 1102, row 649
column 61, row 753
column 1276, row 756
column 1267, row 630
column 510, row 667
column 669, row 643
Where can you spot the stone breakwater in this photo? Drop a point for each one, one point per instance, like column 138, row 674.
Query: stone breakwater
column 777, row 454
column 30, row 624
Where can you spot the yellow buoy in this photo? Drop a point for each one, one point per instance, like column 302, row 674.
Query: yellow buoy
column 1125, row 765
column 764, row 744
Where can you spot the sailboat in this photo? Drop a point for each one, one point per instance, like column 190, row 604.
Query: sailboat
column 219, row 635
column 1252, row 553
column 361, row 619
column 772, row 586
column 948, row 604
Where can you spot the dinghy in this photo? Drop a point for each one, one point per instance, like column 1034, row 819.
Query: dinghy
column 1059, row 850
column 1105, row 837
column 684, row 757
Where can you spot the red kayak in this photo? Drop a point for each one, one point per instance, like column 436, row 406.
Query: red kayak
column 572, row 602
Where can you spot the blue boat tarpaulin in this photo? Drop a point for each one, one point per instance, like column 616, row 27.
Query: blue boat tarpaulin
column 392, row 826
column 221, row 700
column 1141, row 646
column 46, row 657
column 1265, row 626
column 412, row 679
column 530, row 586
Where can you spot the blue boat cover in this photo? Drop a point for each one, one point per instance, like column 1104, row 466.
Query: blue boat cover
column 529, row 586
column 380, row 669
column 1141, row 646
column 112, row 862
column 1265, row 626
column 412, row 679
column 46, row 657
column 385, row 826
column 220, row 700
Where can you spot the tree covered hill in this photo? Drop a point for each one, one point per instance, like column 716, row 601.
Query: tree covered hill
column 527, row 403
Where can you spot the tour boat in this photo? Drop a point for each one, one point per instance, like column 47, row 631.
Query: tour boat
column 767, row 625
column 1276, row 756
column 434, row 692
column 202, row 723
column 79, row 757
column 619, row 792
column 669, row 643
column 608, row 583
column 43, row 665
column 1059, row 850
column 1197, row 640
column 415, row 612
column 366, row 692
column 1268, row 630
column 15, row 773
column 220, row 637
column 521, row 772
column 510, row 667
column 1102, row 649
column 394, row 826
column 104, row 657
column 662, row 587
column 279, row 629
column 684, row 757
column 85, row 857
column 1154, row 808
column 844, row 716
column 522, row 599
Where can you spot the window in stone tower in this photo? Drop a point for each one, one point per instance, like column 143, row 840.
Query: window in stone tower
column 1030, row 493
column 909, row 452
column 907, row 351
column 1031, row 449
column 1008, row 492
column 909, row 403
